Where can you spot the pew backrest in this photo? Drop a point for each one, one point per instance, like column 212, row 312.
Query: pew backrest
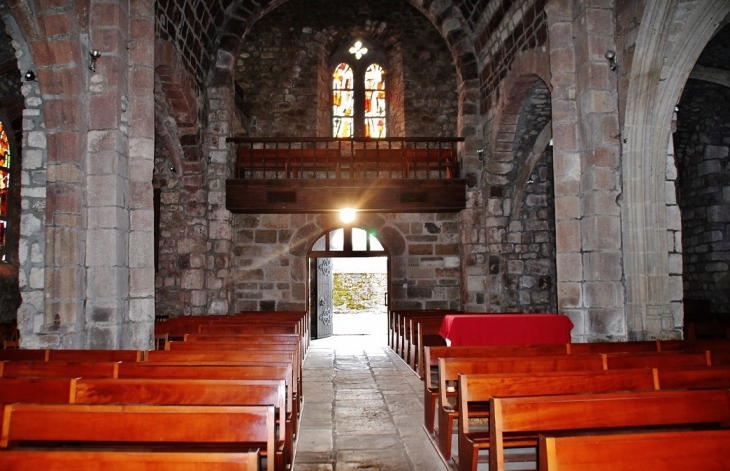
column 205, row 426
column 94, row 460
column 700, row 449
column 582, row 412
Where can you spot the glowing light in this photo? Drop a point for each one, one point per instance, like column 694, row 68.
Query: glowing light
column 358, row 50
column 347, row 215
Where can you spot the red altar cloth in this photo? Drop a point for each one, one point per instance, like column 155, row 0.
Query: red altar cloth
column 505, row 329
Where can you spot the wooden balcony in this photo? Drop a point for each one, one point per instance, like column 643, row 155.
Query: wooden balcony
column 304, row 175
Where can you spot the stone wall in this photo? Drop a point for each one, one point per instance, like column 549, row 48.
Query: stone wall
column 269, row 269
column 703, row 185
column 281, row 70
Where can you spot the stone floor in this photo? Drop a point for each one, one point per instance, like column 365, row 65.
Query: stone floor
column 362, row 410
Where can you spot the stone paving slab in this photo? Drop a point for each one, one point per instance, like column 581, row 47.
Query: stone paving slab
column 362, row 410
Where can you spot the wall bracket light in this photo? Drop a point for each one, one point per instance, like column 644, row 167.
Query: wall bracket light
column 611, row 56
column 29, row 76
column 95, row 55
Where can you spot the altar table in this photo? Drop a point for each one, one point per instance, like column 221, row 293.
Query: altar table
column 505, row 329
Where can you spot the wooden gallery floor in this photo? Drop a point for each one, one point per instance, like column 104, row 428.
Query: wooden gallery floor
column 362, row 410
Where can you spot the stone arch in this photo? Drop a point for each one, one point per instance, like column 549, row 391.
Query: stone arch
column 661, row 65
column 522, row 273
column 526, row 68
column 446, row 18
column 177, row 85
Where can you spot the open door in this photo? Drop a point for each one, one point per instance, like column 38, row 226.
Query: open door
column 321, row 296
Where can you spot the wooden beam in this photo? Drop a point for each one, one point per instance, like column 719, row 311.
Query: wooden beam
column 248, row 196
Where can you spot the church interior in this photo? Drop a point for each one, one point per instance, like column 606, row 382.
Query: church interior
column 169, row 165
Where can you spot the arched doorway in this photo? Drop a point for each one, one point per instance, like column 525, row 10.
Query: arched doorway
column 354, row 246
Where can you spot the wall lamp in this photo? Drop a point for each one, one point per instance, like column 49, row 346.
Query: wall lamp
column 29, row 76
column 611, row 56
column 95, row 55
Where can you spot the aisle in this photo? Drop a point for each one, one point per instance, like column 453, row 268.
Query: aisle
column 362, row 410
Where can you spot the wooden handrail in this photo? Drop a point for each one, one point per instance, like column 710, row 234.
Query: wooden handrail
column 321, row 157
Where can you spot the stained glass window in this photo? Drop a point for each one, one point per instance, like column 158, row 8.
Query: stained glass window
column 359, row 106
column 4, row 188
column 343, row 101
column 374, row 101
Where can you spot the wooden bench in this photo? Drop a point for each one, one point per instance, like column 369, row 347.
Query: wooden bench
column 432, row 354
column 400, row 322
column 475, row 391
column 411, row 346
column 93, row 460
column 195, row 392
column 59, row 369
column 95, row 355
column 605, row 411
column 656, row 451
column 270, row 370
column 693, row 377
column 426, row 336
column 614, row 347
column 450, row 369
column 38, row 390
column 143, row 428
column 237, row 358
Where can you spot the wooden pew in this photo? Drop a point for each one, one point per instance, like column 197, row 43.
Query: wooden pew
column 399, row 319
column 94, row 460
column 426, row 338
column 693, row 378
column 270, row 370
column 605, row 411
column 656, row 451
column 237, row 358
column 480, row 388
column 95, row 355
column 195, row 392
column 432, row 354
column 23, row 354
column 451, row 368
column 38, row 390
column 144, row 428
column 59, row 369
column 614, row 347
column 418, row 330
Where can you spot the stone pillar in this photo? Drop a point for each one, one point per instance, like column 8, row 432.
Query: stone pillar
column 566, row 165
column 107, row 180
column 92, row 131
column 139, row 330
column 600, row 182
column 220, row 231
column 60, row 57
column 587, row 171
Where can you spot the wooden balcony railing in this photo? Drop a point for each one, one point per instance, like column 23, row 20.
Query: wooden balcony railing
column 357, row 158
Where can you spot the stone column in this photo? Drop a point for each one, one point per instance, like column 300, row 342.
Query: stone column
column 139, row 330
column 220, row 231
column 587, row 170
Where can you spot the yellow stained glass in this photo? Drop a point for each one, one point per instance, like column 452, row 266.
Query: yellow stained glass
column 4, row 187
column 375, row 124
column 343, row 101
